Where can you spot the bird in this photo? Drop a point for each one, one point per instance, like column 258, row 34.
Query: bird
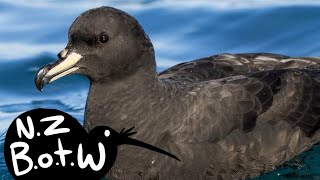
column 226, row 116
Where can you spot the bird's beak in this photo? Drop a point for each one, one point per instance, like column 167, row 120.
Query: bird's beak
column 135, row 142
column 65, row 65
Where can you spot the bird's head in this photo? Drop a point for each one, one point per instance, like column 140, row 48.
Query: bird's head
column 104, row 43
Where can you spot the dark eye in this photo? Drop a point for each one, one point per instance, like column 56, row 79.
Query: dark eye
column 103, row 38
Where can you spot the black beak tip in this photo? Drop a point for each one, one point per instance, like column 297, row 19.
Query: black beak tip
column 175, row 157
column 40, row 79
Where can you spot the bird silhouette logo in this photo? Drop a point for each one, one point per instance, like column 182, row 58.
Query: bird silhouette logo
column 51, row 144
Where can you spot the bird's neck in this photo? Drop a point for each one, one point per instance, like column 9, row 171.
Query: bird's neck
column 119, row 103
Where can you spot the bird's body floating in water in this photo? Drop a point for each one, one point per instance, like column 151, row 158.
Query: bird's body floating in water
column 228, row 116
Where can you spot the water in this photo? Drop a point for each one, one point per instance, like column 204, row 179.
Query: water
column 32, row 33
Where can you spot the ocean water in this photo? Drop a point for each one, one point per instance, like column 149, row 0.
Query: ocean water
column 32, row 32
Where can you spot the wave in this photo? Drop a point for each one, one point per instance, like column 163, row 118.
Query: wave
column 151, row 4
column 9, row 112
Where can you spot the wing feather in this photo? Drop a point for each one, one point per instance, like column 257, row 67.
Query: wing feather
column 240, row 102
column 227, row 65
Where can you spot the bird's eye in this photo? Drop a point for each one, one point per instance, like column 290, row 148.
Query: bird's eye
column 107, row 133
column 103, row 38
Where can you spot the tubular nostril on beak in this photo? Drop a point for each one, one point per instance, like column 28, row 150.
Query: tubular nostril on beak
column 63, row 54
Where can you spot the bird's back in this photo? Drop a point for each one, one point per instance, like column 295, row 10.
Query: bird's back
column 226, row 65
column 255, row 111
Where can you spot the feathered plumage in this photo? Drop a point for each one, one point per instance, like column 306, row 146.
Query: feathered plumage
column 228, row 116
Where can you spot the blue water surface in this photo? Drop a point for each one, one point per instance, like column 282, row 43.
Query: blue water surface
column 33, row 32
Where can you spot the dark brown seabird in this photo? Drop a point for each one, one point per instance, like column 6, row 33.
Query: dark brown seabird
column 228, row 116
